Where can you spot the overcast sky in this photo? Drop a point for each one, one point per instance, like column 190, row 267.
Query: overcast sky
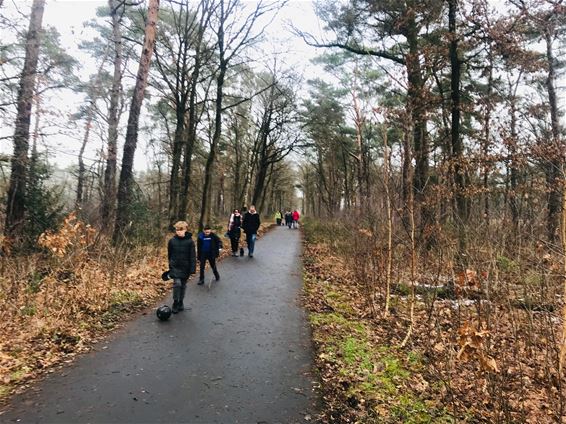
column 68, row 17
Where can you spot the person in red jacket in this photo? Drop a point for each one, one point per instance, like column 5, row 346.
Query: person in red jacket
column 296, row 217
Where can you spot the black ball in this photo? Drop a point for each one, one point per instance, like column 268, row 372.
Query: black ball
column 163, row 312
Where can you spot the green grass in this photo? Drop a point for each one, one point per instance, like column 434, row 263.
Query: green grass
column 125, row 297
column 4, row 390
column 506, row 264
column 375, row 376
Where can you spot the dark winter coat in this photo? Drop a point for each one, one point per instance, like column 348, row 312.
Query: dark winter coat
column 251, row 223
column 234, row 226
column 182, row 257
column 216, row 245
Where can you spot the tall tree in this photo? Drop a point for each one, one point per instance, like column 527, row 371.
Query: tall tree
column 126, row 173
column 546, row 22
column 351, row 23
column 462, row 207
column 275, row 137
column 117, row 8
column 180, row 54
column 15, row 208
column 234, row 33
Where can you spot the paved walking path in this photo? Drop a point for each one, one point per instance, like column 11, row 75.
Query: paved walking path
column 241, row 354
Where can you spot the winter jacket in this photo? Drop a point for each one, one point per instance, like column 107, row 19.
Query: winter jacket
column 181, row 255
column 235, row 222
column 251, row 223
column 296, row 216
column 214, row 247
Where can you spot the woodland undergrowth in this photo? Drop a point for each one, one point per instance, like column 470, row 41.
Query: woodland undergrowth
column 484, row 344
column 76, row 289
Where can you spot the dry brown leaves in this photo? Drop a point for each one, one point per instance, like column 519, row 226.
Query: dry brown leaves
column 485, row 361
column 79, row 294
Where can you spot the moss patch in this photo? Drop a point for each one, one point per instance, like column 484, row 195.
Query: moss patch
column 363, row 378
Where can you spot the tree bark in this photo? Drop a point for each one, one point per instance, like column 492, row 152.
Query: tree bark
column 462, row 213
column 208, row 171
column 192, row 109
column 82, row 168
column 416, row 106
column 126, row 173
column 487, row 135
column 362, row 195
column 15, row 208
column 556, row 149
column 513, row 171
column 109, row 189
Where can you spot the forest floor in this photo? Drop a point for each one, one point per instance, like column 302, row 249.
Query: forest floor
column 240, row 353
column 465, row 360
column 55, row 306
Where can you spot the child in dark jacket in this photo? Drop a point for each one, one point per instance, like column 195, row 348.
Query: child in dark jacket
column 182, row 262
column 208, row 249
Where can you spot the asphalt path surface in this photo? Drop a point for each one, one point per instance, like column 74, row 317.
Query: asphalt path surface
column 240, row 354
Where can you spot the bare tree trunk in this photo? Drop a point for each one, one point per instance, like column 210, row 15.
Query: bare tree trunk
column 174, row 182
column 487, row 136
column 456, row 141
column 563, row 345
column 126, row 173
column 406, row 174
column 109, row 189
column 208, row 172
column 90, row 117
column 223, row 65
column 388, row 210
column 362, row 196
column 556, row 149
column 82, row 171
column 513, row 171
column 206, row 7
column 15, row 208
column 411, row 209
column 416, row 94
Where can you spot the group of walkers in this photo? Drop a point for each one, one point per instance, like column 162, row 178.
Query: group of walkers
column 291, row 218
column 182, row 255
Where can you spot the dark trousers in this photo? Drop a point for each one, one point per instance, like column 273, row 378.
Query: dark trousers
column 278, row 220
column 179, row 287
column 212, row 261
column 235, row 239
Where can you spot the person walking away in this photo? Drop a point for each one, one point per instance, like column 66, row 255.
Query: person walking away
column 182, row 262
column 278, row 218
column 208, row 249
column 234, row 231
column 250, row 226
column 296, row 217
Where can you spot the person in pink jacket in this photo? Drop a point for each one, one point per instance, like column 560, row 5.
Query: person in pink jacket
column 296, row 217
